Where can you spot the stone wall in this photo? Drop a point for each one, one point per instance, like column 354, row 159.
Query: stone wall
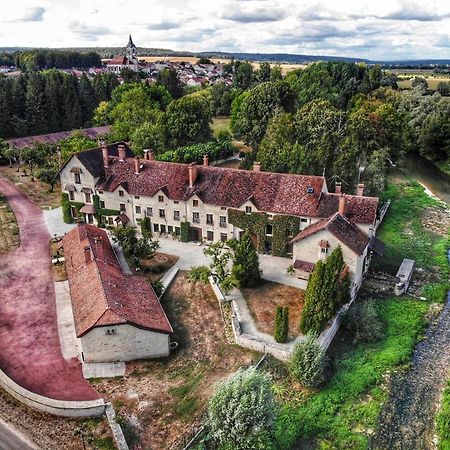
column 91, row 408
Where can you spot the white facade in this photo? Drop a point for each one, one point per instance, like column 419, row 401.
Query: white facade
column 123, row 343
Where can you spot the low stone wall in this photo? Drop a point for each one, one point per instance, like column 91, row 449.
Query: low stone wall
column 217, row 291
column 91, row 408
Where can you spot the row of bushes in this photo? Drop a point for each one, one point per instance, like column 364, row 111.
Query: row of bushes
column 194, row 153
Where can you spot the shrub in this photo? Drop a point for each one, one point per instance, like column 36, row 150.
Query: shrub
column 158, row 287
column 185, row 231
column 65, row 204
column 146, row 227
column 436, row 292
column 246, row 262
column 241, row 411
column 199, row 273
column 308, row 362
column 364, row 322
column 281, row 324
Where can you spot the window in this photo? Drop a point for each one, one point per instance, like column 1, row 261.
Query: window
column 161, row 198
column 324, row 250
column 77, row 178
column 303, row 220
column 87, row 197
column 223, row 221
column 194, row 203
column 175, row 202
column 223, row 237
column 209, row 219
column 71, row 195
column 177, row 231
column 269, row 229
column 73, row 211
column 170, row 229
column 163, row 228
column 162, row 213
column 120, row 193
column 248, row 209
column 122, row 207
column 210, row 236
column 196, row 217
column 99, row 192
column 155, row 227
column 102, row 204
column 223, row 208
column 137, row 197
column 137, row 209
column 176, row 215
column 110, row 221
column 149, row 211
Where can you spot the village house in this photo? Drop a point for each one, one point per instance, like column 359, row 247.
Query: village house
column 212, row 203
column 117, row 317
column 127, row 61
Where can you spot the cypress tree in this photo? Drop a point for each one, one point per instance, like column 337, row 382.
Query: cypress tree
column 281, row 324
column 246, row 262
column 53, row 96
column 311, row 309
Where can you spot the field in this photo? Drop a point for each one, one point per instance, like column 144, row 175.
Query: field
column 160, row 401
column 9, row 231
column 405, row 78
column 285, row 68
column 39, row 193
column 263, row 300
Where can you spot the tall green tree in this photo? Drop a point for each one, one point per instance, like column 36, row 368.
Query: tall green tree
column 87, row 99
column 36, row 111
column 168, row 77
column 246, row 262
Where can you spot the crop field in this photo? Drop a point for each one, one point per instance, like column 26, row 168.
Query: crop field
column 406, row 76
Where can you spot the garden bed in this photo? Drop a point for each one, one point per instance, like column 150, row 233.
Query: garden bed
column 156, row 267
column 263, row 300
column 162, row 400
column 9, row 231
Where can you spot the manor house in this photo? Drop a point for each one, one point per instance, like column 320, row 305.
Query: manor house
column 287, row 214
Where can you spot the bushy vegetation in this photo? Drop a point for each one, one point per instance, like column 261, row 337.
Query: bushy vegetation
column 443, row 421
column 281, row 324
column 194, row 153
column 327, row 290
column 363, row 321
column 199, row 274
column 308, row 362
column 338, row 415
column 241, row 412
column 65, row 204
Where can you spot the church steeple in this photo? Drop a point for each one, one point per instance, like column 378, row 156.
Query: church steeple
column 130, row 43
column 131, row 54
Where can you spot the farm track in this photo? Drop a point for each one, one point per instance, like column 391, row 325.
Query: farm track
column 407, row 422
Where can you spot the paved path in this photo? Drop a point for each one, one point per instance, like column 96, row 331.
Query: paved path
column 11, row 439
column 30, row 352
column 407, row 423
column 55, row 223
column 191, row 254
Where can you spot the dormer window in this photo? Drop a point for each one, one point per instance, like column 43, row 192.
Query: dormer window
column 248, row 209
column 161, row 198
column 195, row 203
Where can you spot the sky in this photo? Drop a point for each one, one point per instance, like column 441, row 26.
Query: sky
column 381, row 29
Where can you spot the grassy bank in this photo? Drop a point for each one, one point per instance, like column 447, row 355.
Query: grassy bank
column 344, row 413
column 443, row 421
column 407, row 233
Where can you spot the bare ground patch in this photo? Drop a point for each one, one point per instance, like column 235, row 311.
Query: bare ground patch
column 164, row 399
column 263, row 300
column 38, row 192
column 155, row 268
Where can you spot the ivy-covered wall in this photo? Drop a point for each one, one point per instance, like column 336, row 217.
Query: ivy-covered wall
column 283, row 227
column 185, row 232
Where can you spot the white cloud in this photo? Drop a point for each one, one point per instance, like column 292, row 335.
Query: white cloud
column 384, row 29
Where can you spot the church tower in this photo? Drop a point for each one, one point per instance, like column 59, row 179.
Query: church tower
column 131, row 54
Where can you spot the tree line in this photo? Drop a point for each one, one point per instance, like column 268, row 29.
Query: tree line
column 50, row 101
column 59, row 59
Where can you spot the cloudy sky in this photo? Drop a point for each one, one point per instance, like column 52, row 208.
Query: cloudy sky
column 382, row 29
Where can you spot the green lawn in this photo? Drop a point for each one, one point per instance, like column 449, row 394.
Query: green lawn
column 220, row 123
column 342, row 414
column 443, row 421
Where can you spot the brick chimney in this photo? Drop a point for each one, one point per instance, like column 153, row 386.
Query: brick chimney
column 99, row 248
column 206, row 160
column 256, row 166
column 341, row 204
column 338, row 187
column 137, row 164
column 192, row 174
column 360, row 190
column 121, row 150
column 105, row 155
column 87, row 254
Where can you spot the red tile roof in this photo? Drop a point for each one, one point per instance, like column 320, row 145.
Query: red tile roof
column 101, row 293
column 341, row 228
column 304, row 265
column 270, row 192
column 118, row 60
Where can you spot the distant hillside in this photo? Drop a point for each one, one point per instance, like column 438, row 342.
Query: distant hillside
column 109, row 52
